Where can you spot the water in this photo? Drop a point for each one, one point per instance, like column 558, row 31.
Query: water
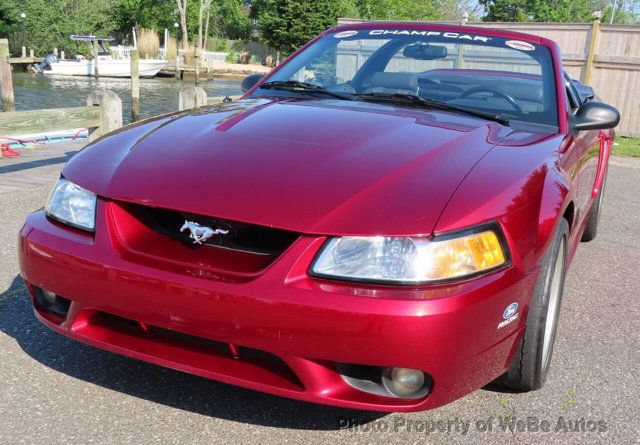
column 157, row 95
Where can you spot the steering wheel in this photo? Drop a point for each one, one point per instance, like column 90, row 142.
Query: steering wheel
column 494, row 92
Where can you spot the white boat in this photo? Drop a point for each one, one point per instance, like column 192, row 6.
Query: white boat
column 107, row 65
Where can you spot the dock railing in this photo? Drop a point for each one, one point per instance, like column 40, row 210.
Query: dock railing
column 102, row 114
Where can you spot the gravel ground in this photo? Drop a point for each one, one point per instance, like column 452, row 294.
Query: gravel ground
column 54, row 390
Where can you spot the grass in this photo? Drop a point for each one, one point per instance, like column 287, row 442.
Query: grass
column 148, row 43
column 190, row 56
column 572, row 400
column 172, row 48
column 627, row 147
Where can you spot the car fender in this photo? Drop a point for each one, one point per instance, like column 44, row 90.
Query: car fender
column 556, row 201
column 520, row 184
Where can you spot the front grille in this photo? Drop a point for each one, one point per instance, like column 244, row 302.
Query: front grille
column 152, row 236
column 241, row 236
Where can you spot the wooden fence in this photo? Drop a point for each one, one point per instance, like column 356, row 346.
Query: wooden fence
column 606, row 57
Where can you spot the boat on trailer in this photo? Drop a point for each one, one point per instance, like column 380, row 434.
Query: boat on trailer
column 107, row 65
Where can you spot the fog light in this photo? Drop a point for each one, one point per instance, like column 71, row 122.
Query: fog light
column 405, row 382
column 51, row 302
column 49, row 297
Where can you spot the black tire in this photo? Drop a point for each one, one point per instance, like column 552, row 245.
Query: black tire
column 593, row 217
column 529, row 368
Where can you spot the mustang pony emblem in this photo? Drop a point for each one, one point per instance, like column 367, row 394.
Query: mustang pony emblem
column 199, row 234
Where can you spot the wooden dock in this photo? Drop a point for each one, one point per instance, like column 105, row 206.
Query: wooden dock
column 36, row 166
column 214, row 69
column 23, row 63
column 24, row 60
column 40, row 164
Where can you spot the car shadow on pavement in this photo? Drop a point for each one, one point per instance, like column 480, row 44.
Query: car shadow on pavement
column 34, row 163
column 157, row 384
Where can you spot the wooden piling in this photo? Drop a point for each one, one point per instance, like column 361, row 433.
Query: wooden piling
column 192, row 97
column 594, row 35
column 177, row 63
column 460, row 56
column 196, row 64
column 110, row 111
column 31, row 53
column 135, row 85
column 96, row 74
column 24, row 52
column 61, row 55
column 6, row 81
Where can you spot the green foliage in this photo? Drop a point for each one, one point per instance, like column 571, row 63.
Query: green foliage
column 284, row 24
column 152, row 14
column 347, row 8
column 538, row 10
column 288, row 24
column 399, row 9
column 505, row 11
column 5, row 21
column 623, row 16
column 228, row 17
column 48, row 23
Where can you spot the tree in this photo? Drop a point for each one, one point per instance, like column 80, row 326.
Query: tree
column 230, row 19
column 182, row 8
column 206, row 25
column 619, row 11
column 348, row 8
column 203, row 20
column 288, row 24
column 505, row 11
column 399, row 9
column 540, row 10
column 5, row 21
column 150, row 14
column 47, row 24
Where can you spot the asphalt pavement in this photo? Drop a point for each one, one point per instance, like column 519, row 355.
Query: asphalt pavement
column 54, row 390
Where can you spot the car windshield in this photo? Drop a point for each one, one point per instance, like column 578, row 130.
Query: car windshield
column 502, row 77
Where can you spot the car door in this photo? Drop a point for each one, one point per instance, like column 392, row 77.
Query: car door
column 587, row 147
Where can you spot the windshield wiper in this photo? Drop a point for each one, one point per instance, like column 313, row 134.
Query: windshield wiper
column 412, row 98
column 303, row 87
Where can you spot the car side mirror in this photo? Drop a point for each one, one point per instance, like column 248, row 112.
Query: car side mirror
column 250, row 81
column 595, row 116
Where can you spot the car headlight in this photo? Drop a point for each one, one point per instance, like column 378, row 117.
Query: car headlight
column 410, row 260
column 72, row 205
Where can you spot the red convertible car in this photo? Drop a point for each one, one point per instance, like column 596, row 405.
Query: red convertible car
column 384, row 222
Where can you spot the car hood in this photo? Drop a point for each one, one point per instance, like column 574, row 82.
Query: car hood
column 312, row 166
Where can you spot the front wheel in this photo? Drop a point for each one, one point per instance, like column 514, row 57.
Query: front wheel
column 593, row 217
column 529, row 368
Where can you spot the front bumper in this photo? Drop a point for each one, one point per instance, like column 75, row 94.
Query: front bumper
column 290, row 331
